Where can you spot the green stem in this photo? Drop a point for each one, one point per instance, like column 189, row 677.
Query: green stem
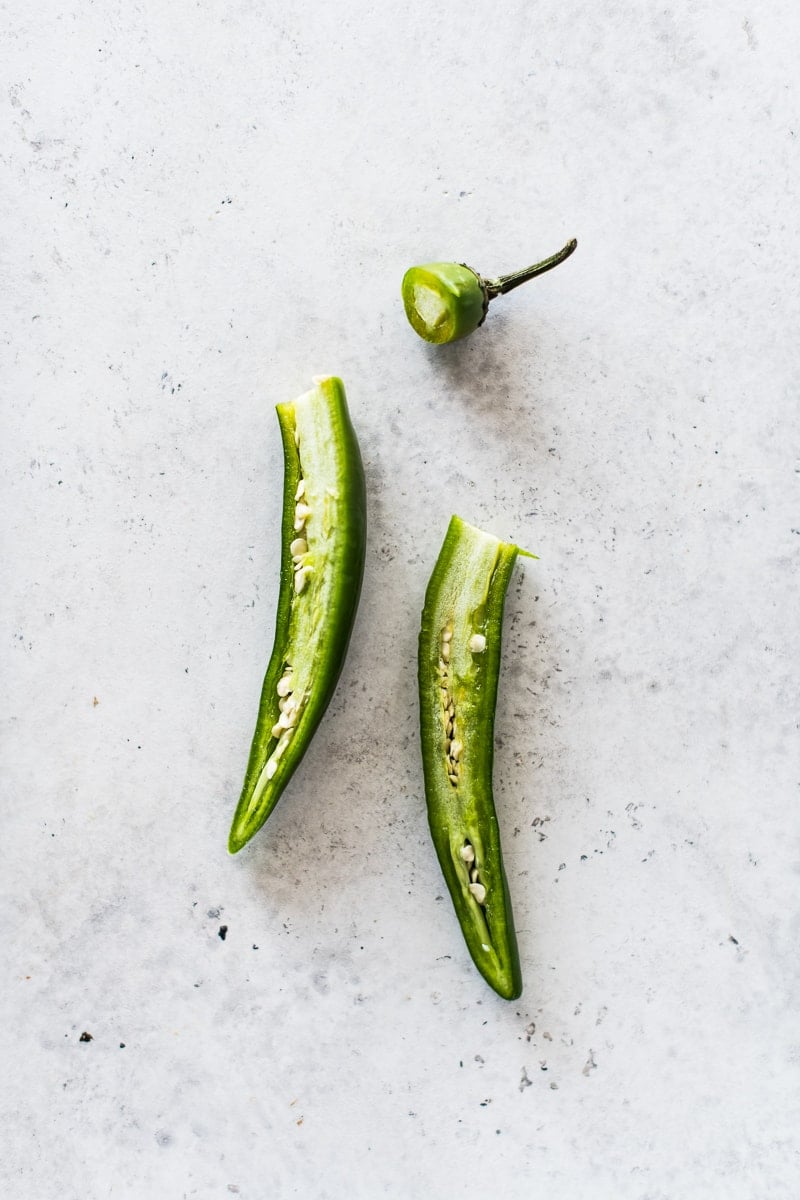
column 507, row 283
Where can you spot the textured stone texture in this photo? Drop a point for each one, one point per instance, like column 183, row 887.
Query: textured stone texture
column 203, row 205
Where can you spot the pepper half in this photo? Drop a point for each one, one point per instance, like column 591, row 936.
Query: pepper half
column 323, row 543
column 445, row 301
column 459, row 665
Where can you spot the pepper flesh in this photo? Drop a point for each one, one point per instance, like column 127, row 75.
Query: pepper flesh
column 458, row 692
column 323, row 542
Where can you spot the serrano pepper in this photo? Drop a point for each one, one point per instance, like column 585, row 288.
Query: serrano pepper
column 459, row 664
column 323, row 544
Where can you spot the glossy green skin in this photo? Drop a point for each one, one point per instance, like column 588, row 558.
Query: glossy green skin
column 340, row 588
column 462, row 295
column 467, row 592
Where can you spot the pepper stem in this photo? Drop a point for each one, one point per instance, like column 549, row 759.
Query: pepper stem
column 507, row 283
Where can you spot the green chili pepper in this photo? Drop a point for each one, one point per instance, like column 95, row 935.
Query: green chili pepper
column 446, row 301
column 322, row 564
column 459, row 664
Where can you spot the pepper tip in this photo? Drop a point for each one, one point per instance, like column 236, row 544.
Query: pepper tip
column 236, row 842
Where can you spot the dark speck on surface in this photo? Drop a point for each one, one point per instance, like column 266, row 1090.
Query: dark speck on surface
column 85, row 1037
column 222, row 932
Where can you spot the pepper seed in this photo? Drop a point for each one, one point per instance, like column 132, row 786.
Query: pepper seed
column 478, row 891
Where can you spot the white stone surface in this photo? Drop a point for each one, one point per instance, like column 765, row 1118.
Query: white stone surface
column 204, row 204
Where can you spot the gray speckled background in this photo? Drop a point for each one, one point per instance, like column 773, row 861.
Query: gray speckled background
column 203, row 205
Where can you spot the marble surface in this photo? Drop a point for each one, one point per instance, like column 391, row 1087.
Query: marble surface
column 205, row 204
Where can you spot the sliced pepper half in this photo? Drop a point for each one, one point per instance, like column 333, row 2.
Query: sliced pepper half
column 323, row 543
column 459, row 665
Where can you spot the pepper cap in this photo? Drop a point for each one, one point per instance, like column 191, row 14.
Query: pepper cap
column 444, row 301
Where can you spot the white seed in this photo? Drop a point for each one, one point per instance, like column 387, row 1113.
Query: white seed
column 272, row 767
column 484, row 946
column 285, row 721
column 467, row 853
column 477, row 643
column 452, row 710
column 447, row 635
column 299, row 580
column 455, row 749
column 284, row 685
column 447, row 745
column 277, row 730
column 473, row 875
column 446, row 651
column 453, row 777
column 301, row 514
column 299, row 546
column 478, row 891
column 301, row 490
